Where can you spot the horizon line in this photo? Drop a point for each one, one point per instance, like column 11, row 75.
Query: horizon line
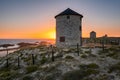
column 55, row 38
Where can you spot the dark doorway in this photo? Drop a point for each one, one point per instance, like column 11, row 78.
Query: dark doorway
column 62, row 39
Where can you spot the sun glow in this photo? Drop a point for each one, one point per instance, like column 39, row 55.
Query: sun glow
column 52, row 35
column 45, row 34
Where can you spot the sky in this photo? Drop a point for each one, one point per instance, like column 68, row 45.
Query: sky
column 35, row 18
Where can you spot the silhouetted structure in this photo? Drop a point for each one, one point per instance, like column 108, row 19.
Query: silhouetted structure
column 93, row 35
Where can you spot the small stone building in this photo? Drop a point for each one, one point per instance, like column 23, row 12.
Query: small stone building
column 68, row 28
column 93, row 35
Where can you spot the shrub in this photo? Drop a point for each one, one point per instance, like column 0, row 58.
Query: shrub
column 115, row 67
column 53, row 75
column 88, row 52
column 27, row 78
column 67, row 50
column 43, row 60
column 112, row 49
column 73, row 75
column 83, row 66
column 5, row 74
column 92, row 55
column 59, row 55
column 81, row 52
column 91, row 71
column 106, row 51
column 93, row 66
column 78, row 74
column 111, row 54
column 84, row 56
column 51, row 68
column 26, row 59
column 85, row 71
column 49, row 77
column 14, row 68
column 31, row 68
column 101, row 52
column 8, row 75
column 69, row 57
column 114, row 55
column 4, row 69
column 105, row 77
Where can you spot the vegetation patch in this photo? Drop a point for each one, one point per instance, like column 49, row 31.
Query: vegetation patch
column 82, row 73
column 27, row 78
column 87, row 66
column 4, row 69
column 87, row 52
column 50, row 68
column 114, row 55
column 59, row 55
column 69, row 57
column 101, row 52
column 91, row 71
column 73, row 75
column 92, row 65
column 84, row 56
column 49, row 77
column 115, row 67
column 8, row 75
column 92, row 55
column 31, row 68
column 53, row 75
column 113, row 49
column 78, row 74
column 43, row 60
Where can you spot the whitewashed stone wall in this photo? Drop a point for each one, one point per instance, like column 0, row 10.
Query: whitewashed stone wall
column 70, row 29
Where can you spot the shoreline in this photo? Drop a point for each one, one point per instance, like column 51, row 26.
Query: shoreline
column 8, row 49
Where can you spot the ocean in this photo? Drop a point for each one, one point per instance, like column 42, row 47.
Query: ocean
column 15, row 41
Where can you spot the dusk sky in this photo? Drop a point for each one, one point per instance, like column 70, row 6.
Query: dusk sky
column 35, row 18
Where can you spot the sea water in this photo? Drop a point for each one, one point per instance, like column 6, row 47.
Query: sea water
column 15, row 42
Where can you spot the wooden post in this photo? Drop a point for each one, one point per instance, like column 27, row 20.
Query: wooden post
column 33, row 61
column 90, row 50
column 7, row 50
column 18, row 62
column 103, row 43
column 52, row 54
column 103, row 46
column 78, row 49
column 7, row 62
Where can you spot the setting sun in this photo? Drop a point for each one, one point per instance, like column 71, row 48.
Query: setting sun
column 52, row 35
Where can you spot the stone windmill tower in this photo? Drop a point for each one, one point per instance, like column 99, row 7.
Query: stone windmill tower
column 68, row 28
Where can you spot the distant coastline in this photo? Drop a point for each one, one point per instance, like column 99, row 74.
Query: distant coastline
column 16, row 41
